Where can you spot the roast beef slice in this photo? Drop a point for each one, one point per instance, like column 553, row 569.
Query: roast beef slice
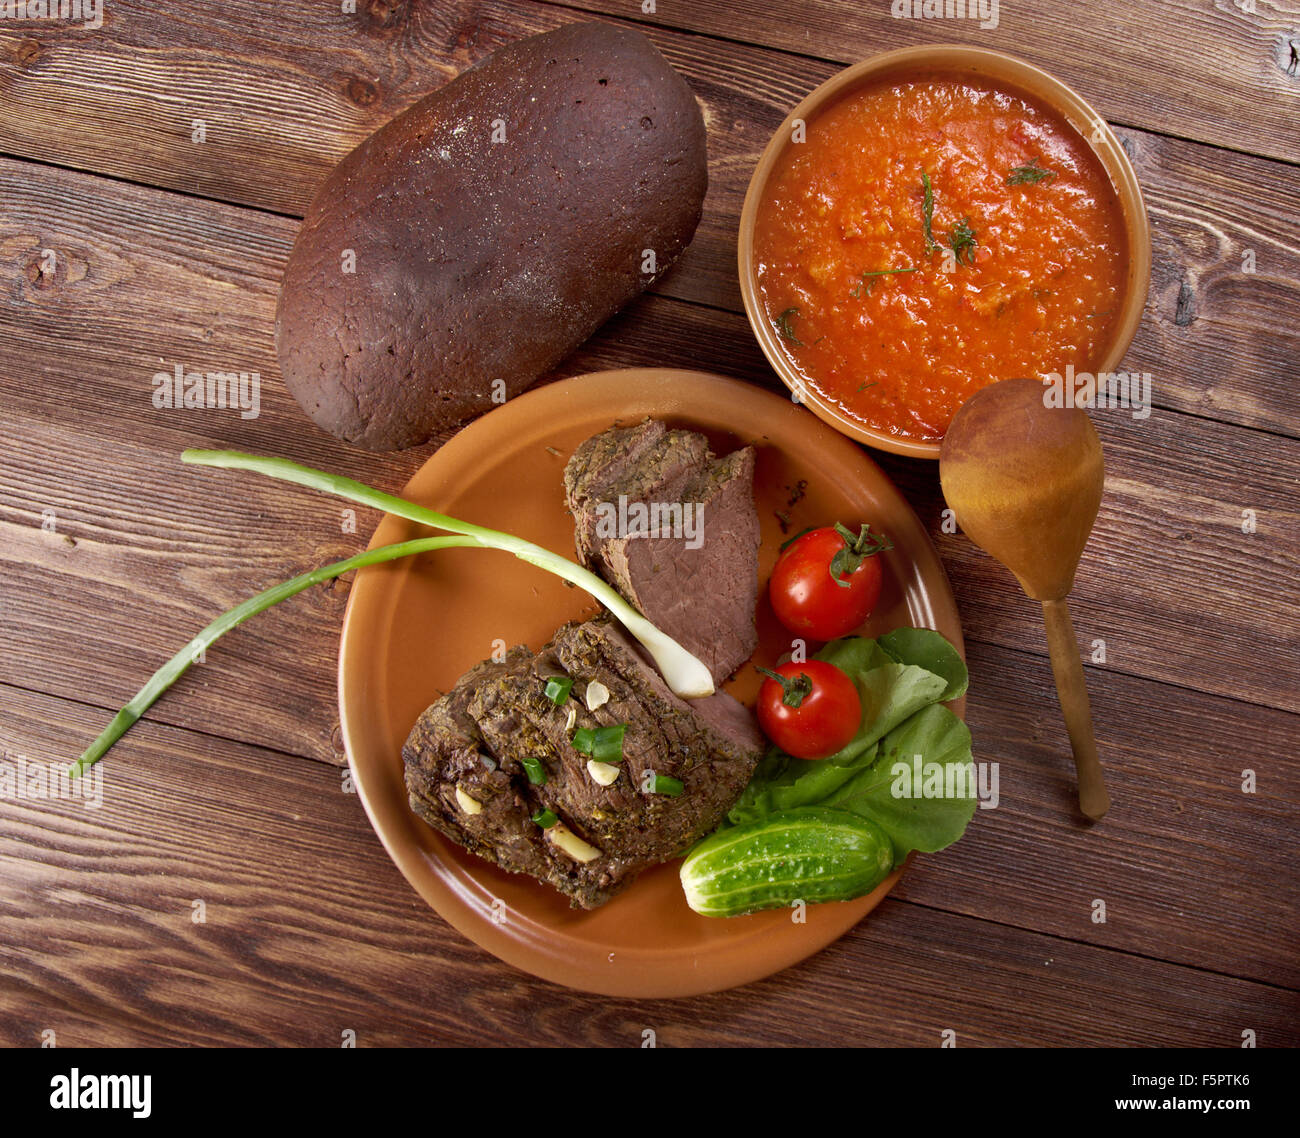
column 694, row 574
column 475, row 736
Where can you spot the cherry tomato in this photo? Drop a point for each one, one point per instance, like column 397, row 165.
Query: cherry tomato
column 827, row 581
column 809, row 710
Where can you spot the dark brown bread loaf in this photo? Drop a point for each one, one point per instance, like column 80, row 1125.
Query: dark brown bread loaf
column 480, row 264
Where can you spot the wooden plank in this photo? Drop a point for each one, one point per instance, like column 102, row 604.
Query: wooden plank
column 146, row 280
column 1190, row 867
column 1192, row 870
column 137, row 288
column 309, row 931
column 1221, row 332
column 123, row 580
column 90, row 621
column 1219, row 341
column 1170, row 579
column 160, row 549
column 271, row 138
column 1183, row 68
column 281, row 100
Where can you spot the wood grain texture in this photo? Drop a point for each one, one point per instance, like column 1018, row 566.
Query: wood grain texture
column 112, row 554
column 1190, row 867
column 1209, row 72
column 144, row 281
column 309, row 930
column 90, row 618
column 1219, row 340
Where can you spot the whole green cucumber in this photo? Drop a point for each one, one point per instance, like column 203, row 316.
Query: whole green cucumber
column 807, row 854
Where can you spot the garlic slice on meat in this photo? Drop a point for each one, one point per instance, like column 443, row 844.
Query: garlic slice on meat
column 468, row 804
column 572, row 717
column 597, row 695
column 604, row 773
column 571, row 844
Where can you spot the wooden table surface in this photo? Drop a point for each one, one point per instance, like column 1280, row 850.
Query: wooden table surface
column 229, row 802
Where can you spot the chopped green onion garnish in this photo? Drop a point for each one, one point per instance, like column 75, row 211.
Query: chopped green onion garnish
column 545, row 818
column 666, row 784
column 534, row 769
column 604, row 744
column 558, row 688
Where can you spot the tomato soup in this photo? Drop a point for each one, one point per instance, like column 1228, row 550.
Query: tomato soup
column 933, row 236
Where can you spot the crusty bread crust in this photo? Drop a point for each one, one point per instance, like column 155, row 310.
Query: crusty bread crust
column 479, row 261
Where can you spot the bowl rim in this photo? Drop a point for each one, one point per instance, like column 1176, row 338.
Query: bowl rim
column 1000, row 67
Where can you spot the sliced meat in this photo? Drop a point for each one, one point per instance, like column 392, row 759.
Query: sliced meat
column 478, row 735
column 632, row 463
column 445, row 751
column 675, row 531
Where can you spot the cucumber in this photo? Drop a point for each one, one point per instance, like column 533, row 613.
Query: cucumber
column 809, row 854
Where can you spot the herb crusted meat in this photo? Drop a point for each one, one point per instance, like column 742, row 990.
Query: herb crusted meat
column 468, row 762
column 577, row 764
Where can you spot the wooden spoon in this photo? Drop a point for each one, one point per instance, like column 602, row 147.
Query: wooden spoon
column 1025, row 481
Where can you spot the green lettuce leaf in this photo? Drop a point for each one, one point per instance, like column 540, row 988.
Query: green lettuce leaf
column 893, row 693
column 925, row 648
column 902, row 679
column 925, row 813
column 781, row 782
column 755, row 801
column 854, row 654
column 890, row 690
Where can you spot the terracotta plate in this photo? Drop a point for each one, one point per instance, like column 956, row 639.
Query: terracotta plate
column 413, row 627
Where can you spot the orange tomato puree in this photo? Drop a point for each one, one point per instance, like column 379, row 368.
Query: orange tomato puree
column 1039, row 289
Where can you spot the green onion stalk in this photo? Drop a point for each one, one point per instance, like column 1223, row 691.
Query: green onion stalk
column 179, row 664
column 684, row 673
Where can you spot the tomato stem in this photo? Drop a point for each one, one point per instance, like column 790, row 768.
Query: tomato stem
column 857, row 548
column 793, row 687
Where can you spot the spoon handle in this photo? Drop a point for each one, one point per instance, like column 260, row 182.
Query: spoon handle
column 1073, row 694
